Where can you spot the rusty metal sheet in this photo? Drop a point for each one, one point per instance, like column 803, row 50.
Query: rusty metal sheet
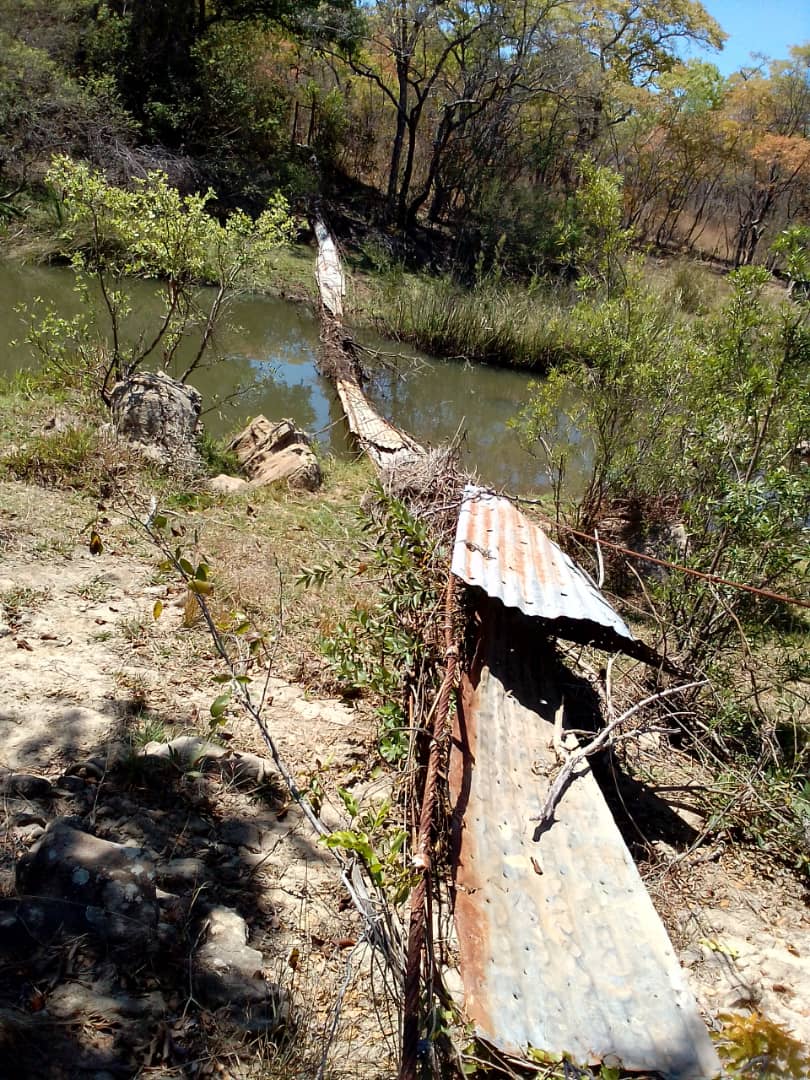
column 560, row 947
column 329, row 271
column 499, row 550
column 384, row 443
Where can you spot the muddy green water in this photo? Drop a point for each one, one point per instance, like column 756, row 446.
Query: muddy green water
column 268, row 366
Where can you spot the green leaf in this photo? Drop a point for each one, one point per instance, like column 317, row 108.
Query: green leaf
column 342, row 838
column 220, row 704
column 349, row 801
column 157, row 610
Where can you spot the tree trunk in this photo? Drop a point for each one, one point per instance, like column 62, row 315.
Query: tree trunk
column 403, row 215
column 399, row 138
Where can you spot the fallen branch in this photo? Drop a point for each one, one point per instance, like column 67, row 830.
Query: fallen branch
column 603, row 739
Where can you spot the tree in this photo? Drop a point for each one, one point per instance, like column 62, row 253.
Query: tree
column 43, row 109
column 444, row 64
column 771, row 118
column 629, row 43
column 153, row 46
column 153, row 231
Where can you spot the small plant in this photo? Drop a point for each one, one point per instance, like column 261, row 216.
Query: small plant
column 16, row 601
column 96, row 589
column 134, row 630
column 379, row 843
column 382, row 649
column 752, row 1045
column 215, row 456
column 793, row 247
column 147, row 728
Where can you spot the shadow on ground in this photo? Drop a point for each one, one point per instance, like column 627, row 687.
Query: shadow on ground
column 160, row 986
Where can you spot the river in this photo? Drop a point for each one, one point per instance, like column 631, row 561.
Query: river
column 267, row 365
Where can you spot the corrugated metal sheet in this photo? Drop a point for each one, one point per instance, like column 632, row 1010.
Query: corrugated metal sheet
column 329, row 271
column 498, row 549
column 384, row 443
column 560, row 946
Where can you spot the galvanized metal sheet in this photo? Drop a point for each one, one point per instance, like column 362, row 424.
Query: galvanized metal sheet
column 329, row 271
column 384, row 443
column 498, row 549
column 560, row 946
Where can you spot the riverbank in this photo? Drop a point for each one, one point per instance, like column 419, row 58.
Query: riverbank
column 100, row 688
column 532, row 325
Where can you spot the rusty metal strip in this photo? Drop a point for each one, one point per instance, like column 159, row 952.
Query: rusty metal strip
column 560, row 946
column 499, row 550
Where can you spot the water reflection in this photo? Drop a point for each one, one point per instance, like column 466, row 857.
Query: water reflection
column 269, row 350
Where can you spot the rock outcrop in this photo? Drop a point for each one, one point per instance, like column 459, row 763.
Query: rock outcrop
column 158, row 413
column 272, row 452
column 75, row 882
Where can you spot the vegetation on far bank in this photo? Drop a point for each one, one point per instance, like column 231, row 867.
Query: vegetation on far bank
column 423, row 108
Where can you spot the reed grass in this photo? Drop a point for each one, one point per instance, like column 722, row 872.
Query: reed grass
column 493, row 322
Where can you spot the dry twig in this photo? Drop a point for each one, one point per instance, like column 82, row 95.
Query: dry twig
column 603, row 739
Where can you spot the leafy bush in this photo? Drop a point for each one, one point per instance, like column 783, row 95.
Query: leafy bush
column 151, row 231
column 705, row 417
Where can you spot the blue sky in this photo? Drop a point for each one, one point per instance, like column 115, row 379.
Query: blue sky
column 768, row 26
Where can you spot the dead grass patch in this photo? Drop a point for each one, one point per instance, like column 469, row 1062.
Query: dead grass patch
column 259, row 542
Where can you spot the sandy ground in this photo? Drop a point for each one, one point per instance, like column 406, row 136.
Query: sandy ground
column 87, row 670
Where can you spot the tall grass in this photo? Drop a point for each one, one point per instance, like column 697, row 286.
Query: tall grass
column 493, row 322
column 534, row 326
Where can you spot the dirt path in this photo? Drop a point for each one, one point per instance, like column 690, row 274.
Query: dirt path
column 103, row 724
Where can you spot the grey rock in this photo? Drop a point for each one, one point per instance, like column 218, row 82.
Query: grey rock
column 152, row 409
column 72, row 1000
column 5, row 629
column 238, row 833
column 20, row 820
column 198, row 826
column 27, row 834
column 25, row 785
column 186, row 751
column 71, row 784
column 251, row 770
column 91, row 768
column 182, row 874
column 226, row 485
column 227, row 973
column 82, row 884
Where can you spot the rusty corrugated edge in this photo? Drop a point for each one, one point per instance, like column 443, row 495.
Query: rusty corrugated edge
column 560, row 947
column 499, row 550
